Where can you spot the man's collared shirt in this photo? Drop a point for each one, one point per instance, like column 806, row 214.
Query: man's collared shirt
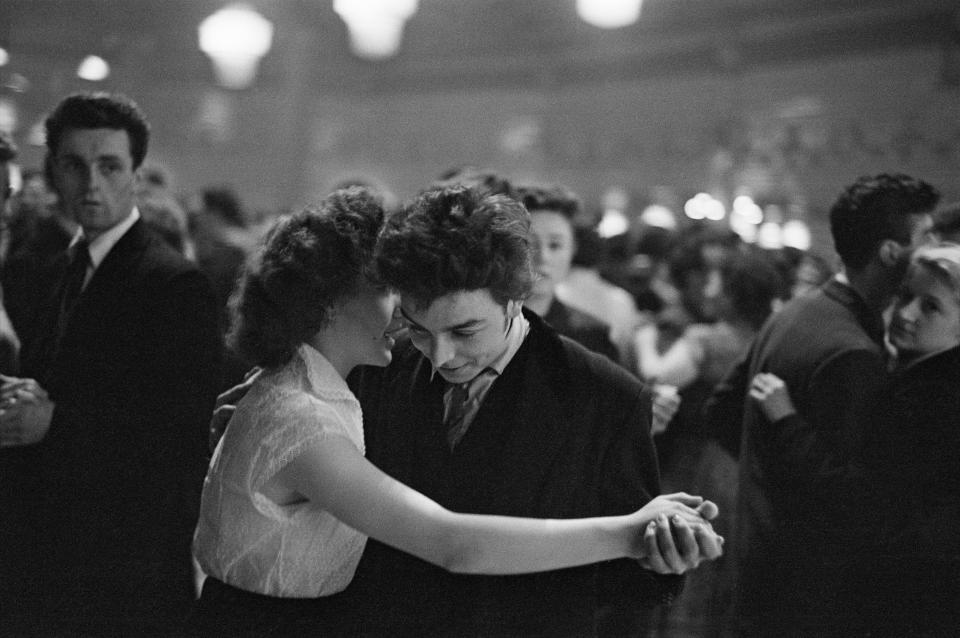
column 100, row 247
column 478, row 387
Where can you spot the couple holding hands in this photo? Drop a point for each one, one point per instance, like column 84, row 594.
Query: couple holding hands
column 378, row 338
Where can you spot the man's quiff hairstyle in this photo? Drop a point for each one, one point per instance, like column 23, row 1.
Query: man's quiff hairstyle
column 454, row 239
column 99, row 110
column 875, row 209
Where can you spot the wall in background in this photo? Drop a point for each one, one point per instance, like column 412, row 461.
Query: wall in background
column 787, row 101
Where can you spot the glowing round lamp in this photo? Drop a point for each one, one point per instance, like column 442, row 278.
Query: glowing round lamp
column 236, row 38
column 796, row 234
column 609, row 14
column 375, row 26
column 93, row 68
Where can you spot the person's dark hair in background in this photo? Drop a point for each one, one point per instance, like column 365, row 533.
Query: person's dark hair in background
column 224, row 202
column 874, row 209
column 308, row 263
column 750, row 283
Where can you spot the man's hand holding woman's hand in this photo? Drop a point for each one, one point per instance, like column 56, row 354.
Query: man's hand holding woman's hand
column 674, row 533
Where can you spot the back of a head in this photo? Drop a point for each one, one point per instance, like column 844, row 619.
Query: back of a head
column 751, row 281
column 875, row 209
column 455, row 239
column 99, row 110
column 161, row 212
column 309, row 261
column 224, row 202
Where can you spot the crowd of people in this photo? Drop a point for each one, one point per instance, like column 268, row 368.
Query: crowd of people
column 464, row 414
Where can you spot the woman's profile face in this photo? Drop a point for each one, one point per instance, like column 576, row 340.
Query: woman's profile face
column 926, row 315
column 371, row 319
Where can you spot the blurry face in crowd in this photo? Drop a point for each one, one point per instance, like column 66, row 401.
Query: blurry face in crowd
column 461, row 333
column 808, row 279
column 93, row 174
column 367, row 322
column 553, row 243
column 926, row 315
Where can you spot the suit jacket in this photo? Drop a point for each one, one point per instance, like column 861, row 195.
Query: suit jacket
column 797, row 544
column 582, row 328
column 563, row 433
column 111, row 492
column 917, row 578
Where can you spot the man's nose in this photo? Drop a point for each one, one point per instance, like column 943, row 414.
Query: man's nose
column 91, row 178
column 441, row 351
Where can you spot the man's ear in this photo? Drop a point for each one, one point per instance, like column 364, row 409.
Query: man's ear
column 891, row 253
column 513, row 308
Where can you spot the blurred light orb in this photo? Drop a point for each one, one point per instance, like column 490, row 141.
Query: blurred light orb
column 796, row 234
column 613, row 223
column 770, row 236
column 747, row 230
column 704, row 206
column 4, row 57
column 235, row 38
column 746, row 209
column 93, row 68
column 609, row 14
column 375, row 26
column 659, row 216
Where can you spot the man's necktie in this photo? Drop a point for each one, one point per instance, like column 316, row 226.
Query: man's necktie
column 73, row 282
column 462, row 404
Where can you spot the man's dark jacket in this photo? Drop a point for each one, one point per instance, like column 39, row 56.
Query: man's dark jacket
column 106, row 503
column 563, row 433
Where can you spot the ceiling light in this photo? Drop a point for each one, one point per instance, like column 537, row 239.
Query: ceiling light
column 609, row 14
column 93, row 69
column 236, row 38
column 376, row 26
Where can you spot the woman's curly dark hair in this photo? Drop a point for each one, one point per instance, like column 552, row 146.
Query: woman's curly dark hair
column 309, row 261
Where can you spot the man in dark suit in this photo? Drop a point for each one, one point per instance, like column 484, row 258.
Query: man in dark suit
column 800, row 531
column 103, row 437
column 487, row 409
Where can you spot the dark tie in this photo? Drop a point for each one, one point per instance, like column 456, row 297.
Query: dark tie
column 73, row 282
column 463, row 402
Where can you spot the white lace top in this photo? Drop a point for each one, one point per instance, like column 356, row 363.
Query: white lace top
column 249, row 541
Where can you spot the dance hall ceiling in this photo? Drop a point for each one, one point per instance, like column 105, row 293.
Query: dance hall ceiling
column 453, row 43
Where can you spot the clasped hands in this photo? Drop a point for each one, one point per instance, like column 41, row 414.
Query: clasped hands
column 25, row 412
column 675, row 534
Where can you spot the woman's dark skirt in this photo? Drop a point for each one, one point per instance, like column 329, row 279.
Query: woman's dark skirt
column 224, row 610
